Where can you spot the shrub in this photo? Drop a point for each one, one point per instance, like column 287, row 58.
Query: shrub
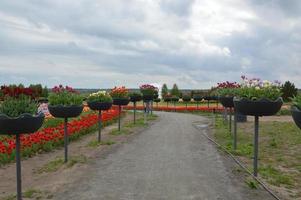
column 288, row 90
column 164, row 90
column 175, row 91
column 65, row 96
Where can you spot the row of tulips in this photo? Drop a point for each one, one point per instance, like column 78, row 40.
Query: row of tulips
column 48, row 138
column 180, row 108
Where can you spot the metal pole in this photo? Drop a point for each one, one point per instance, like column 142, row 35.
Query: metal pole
column 230, row 121
column 151, row 107
column 235, row 130
column 174, row 103
column 66, row 139
column 208, row 103
column 99, row 126
column 119, row 118
column 134, row 112
column 255, row 164
column 18, row 168
column 144, row 112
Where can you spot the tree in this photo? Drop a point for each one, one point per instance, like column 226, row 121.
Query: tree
column 288, row 90
column 164, row 90
column 175, row 90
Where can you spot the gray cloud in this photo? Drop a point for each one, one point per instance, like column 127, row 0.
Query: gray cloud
column 195, row 43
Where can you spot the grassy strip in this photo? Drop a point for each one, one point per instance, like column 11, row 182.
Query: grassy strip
column 95, row 143
column 279, row 158
column 127, row 128
column 32, row 194
column 58, row 163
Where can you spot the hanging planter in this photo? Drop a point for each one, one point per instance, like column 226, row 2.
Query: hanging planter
column 227, row 102
column 65, row 102
column 260, row 107
column 296, row 113
column 135, row 97
column 121, row 101
column 18, row 116
column 60, row 111
column 120, row 97
column 99, row 101
column 258, row 98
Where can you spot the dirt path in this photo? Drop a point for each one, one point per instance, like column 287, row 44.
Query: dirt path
column 170, row 160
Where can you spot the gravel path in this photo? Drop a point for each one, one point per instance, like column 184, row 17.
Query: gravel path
column 170, row 160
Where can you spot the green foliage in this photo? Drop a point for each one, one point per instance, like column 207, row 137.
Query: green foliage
column 37, row 90
column 13, row 107
column 288, row 90
column 65, row 98
column 254, row 93
column 297, row 101
column 175, row 91
column 45, row 92
column 164, row 90
column 100, row 96
column 227, row 92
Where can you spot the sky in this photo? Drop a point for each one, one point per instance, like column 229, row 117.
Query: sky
column 194, row 43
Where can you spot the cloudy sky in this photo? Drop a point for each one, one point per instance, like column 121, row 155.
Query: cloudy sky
column 103, row 43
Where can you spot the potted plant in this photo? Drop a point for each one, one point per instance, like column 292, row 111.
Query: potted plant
column 65, row 102
column 296, row 110
column 157, row 100
column 135, row 97
column 258, row 98
column 175, row 99
column 148, row 92
column 99, row 101
column 226, row 92
column 120, row 97
column 197, row 98
column 18, row 115
column 167, row 98
column 186, row 98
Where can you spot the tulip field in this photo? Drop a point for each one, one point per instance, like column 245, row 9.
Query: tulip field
column 48, row 138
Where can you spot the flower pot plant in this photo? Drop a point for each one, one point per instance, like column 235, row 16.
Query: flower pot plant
column 197, row 98
column 167, row 98
column 296, row 110
column 120, row 97
column 186, row 98
column 99, row 101
column 65, row 102
column 258, row 98
column 18, row 115
column 148, row 91
column 135, row 97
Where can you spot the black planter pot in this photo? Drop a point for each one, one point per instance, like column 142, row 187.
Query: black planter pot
column 214, row 98
column 94, row 105
column 135, row 98
column 167, row 99
column 227, row 102
column 65, row 111
column 186, row 99
column 208, row 98
column 43, row 100
column 148, row 97
column 157, row 100
column 197, row 98
column 25, row 123
column 296, row 113
column 261, row 107
column 156, row 96
column 121, row 101
column 175, row 99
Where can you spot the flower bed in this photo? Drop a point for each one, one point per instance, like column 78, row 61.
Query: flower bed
column 179, row 108
column 48, row 138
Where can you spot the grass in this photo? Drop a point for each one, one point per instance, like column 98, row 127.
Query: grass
column 31, row 194
column 279, row 157
column 58, row 163
column 95, row 143
column 127, row 128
